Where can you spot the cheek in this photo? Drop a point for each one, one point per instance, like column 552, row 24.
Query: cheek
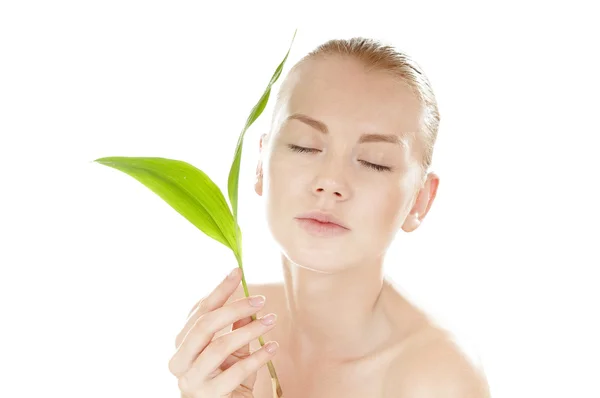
column 282, row 174
column 284, row 182
column 289, row 172
column 385, row 208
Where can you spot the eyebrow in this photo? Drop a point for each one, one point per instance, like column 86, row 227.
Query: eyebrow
column 322, row 127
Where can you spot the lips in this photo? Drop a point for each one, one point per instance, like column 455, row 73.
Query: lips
column 322, row 217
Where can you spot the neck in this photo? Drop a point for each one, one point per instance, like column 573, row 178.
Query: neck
column 334, row 315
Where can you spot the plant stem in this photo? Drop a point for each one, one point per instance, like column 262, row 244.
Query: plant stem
column 277, row 392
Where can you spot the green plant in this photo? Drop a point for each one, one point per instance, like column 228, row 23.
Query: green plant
column 196, row 197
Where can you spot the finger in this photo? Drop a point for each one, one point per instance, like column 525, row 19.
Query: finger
column 203, row 331
column 218, row 350
column 241, row 353
column 244, row 351
column 243, row 372
column 220, row 294
column 215, row 299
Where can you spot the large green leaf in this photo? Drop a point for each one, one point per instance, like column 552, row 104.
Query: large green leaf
column 186, row 189
column 234, row 173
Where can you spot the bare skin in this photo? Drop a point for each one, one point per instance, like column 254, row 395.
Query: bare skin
column 411, row 339
column 345, row 143
column 314, row 375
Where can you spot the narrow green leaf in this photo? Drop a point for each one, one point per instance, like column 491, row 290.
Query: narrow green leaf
column 234, row 173
column 186, row 189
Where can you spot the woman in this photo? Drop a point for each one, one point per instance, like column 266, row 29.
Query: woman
column 343, row 168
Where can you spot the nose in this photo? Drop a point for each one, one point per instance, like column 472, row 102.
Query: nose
column 331, row 183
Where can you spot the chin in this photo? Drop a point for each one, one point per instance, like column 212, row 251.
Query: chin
column 325, row 255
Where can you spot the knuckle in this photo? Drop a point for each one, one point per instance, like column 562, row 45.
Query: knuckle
column 219, row 344
column 173, row 367
column 188, row 385
column 183, row 384
column 203, row 325
column 204, row 322
column 203, row 305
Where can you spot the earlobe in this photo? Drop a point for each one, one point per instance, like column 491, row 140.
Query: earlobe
column 258, row 186
column 422, row 204
column 262, row 142
column 411, row 223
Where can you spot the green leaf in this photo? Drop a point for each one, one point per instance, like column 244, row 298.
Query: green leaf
column 186, row 189
column 234, row 173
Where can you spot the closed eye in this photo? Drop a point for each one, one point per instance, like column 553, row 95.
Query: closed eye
column 297, row 148
column 376, row 166
column 373, row 166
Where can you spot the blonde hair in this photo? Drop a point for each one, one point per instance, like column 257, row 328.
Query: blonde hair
column 377, row 56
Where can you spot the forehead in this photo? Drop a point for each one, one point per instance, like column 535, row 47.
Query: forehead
column 343, row 94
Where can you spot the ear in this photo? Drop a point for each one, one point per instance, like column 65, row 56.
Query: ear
column 423, row 203
column 258, row 185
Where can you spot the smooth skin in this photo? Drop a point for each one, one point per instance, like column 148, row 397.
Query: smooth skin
column 345, row 141
column 210, row 367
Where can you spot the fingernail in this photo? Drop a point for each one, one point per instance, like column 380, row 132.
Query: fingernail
column 233, row 273
column 257, row 301
column 271, row 346
column 268, row 319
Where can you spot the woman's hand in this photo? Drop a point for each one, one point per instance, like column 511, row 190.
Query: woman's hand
column 223, row 367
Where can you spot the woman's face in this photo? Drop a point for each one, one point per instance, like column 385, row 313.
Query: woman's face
column 337, row 111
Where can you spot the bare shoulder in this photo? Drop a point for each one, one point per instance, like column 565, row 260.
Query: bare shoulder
column 434, row 367
column 428, row 360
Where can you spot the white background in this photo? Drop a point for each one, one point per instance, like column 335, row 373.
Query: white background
column 98, row 273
